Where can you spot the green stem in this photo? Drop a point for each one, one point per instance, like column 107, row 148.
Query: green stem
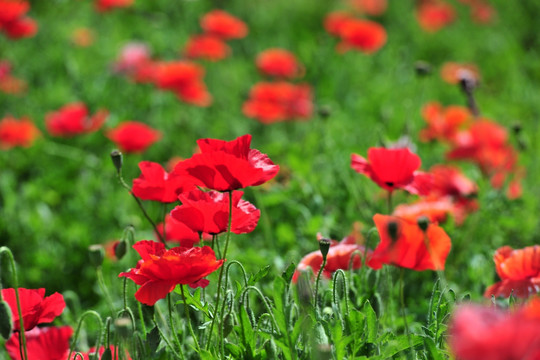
column 403, row 313
column 22, row 342
column 229, row 226
column 103, row 287
column 389, row 201
column 316, row 294
column 141, row 316
column 188, row 319
column 171, row 323
column 179, row 356
column 79, row 325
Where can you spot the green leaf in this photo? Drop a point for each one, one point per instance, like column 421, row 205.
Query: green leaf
column 253, row 279
column 371, row 322
column 153, row 338
column 288, row 273
column 206, row 355
column 234, row 350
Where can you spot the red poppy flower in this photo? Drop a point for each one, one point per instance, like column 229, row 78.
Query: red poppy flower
column 9, row 84
column 35, row 307
column 409, row 247
column 482, row 12
column 13, row 21
column 370, row 7
column 434, row 15
column 519, row 271
column 453, row 72
column 134, row 57
column 206, row 47
column 393, row 169
column 12, row 10
column 449, row 180
column 228, row 165
column 21, row 28
column 49, row 343
column 89, row 355
column 338, row 257
column 279, row 63
column 73, row 119
column 443, row 123
column 158, row 185
column 278, row 101
column 133, row 136
column 184, row 78
column 436, row 210
column 83, row 37
column 160, row 270
column 334, row 21
column 15, row 132
column 177, row 231
column 479, row 332
column 107, row 5
column 364, row 35
column 208, row 212
column 223, row 25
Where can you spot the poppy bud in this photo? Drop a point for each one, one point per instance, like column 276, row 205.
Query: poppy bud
column 6, row 320
column 228, row 324
column 516, row 128
column 120, row 249
column 422, row 68
column 324, row 246
column 117, row 159
column 123, row 327
column 423, row 223
column 271, row 349
column 325, row 112
column 392, row 228
column 96, row 254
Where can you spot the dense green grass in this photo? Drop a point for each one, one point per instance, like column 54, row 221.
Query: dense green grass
column 61, row 195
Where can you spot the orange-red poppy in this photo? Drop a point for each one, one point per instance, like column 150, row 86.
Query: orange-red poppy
column 133, row 136
column 443, row 123
column 435, row 15
column 223, row 25
column 453, row 72
column 207, row 47
column 370, row 7
column 14, row 132
column 364, row 35
column 278, row 63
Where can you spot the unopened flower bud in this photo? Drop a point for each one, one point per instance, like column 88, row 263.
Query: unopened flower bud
column 228, row 324
column 324, row 246
column 123, row 327
column 325, row 112
column 423, row 223
column 96, row 254
column 516, row 128
column 6, row 320
column 422, row 68
column 117, row 159
column 271, row 349
column 120, row 249
column 392, row 229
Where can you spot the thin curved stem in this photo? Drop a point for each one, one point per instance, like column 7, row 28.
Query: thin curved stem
column 171, row 323
column 316, row 294
column 179, row 356
column 188, row 319
column 79, row 325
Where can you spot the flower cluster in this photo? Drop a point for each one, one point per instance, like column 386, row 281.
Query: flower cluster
column 355, row 34
column 73, row 119
column 13, row 20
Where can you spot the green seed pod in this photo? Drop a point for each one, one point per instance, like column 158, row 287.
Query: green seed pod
column 324, row 246
column 6, row 320
column 96, row 254
column 117, row 159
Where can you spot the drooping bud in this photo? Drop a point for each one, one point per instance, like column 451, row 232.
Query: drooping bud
column 123, row 327
column 96, row 254
column 228, row 324
column 120, row 249
column 6, row 320
column 423, row 223
column 117, row 159
column 422, row 68
column 325, row 112
column 393, row 228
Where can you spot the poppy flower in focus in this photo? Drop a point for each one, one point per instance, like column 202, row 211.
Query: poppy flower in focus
column 364, row 35
column 228, row 165
column 88, row 355
column 519, row 271
column 15, row 132
column 334, row 21
column 48, row 343
column 435, row 15
column 156, row 184
column 279, row 63
column 108, row 5
column 393, row 169
column 73, row 119
column 160, row 270
column 271, row 102
column 443, row 123
column 480, row 332
column 13, row 20
column 206, row 47
column 340, row 255
column 185, row 79
column 453, row 72
column 223, row 25
column 208, row 212
column 133, row 136
column 177, row 231
column 83, row 37
column 405, row 244
column 36, row 308
column 370, row 7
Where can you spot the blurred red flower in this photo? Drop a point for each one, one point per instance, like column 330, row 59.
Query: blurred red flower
column 156, row 184
column 177, row 231
column 433, row 15
column 36, row 308
column 207, row 47
column 9, row 84
column 334, row 21
column 453, row 72
column 370, row 7
column 223, row 25
column 92, row 351
column 519, row 271
column 15, row 132
column 480, row 332
column 107, row 5
column 185, row 79
column 133, row 136
column 49, row 343
column 208, row 212
column 409, row 246
column 228, row 165
column 73, row 119
column 339, row 256
column 12, row 19
column 443, row 123
column 83, row 37
column 135, row 61
column 160, row 270
column 449, row 180
column 364, row 35
column 482, row 12
column 393, row 169
column 278, row 101
column 434, row 209
column 280, row 63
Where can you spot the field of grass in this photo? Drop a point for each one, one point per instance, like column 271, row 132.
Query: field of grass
column 61, row 195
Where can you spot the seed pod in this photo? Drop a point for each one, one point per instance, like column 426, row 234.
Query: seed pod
column 96, row 254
